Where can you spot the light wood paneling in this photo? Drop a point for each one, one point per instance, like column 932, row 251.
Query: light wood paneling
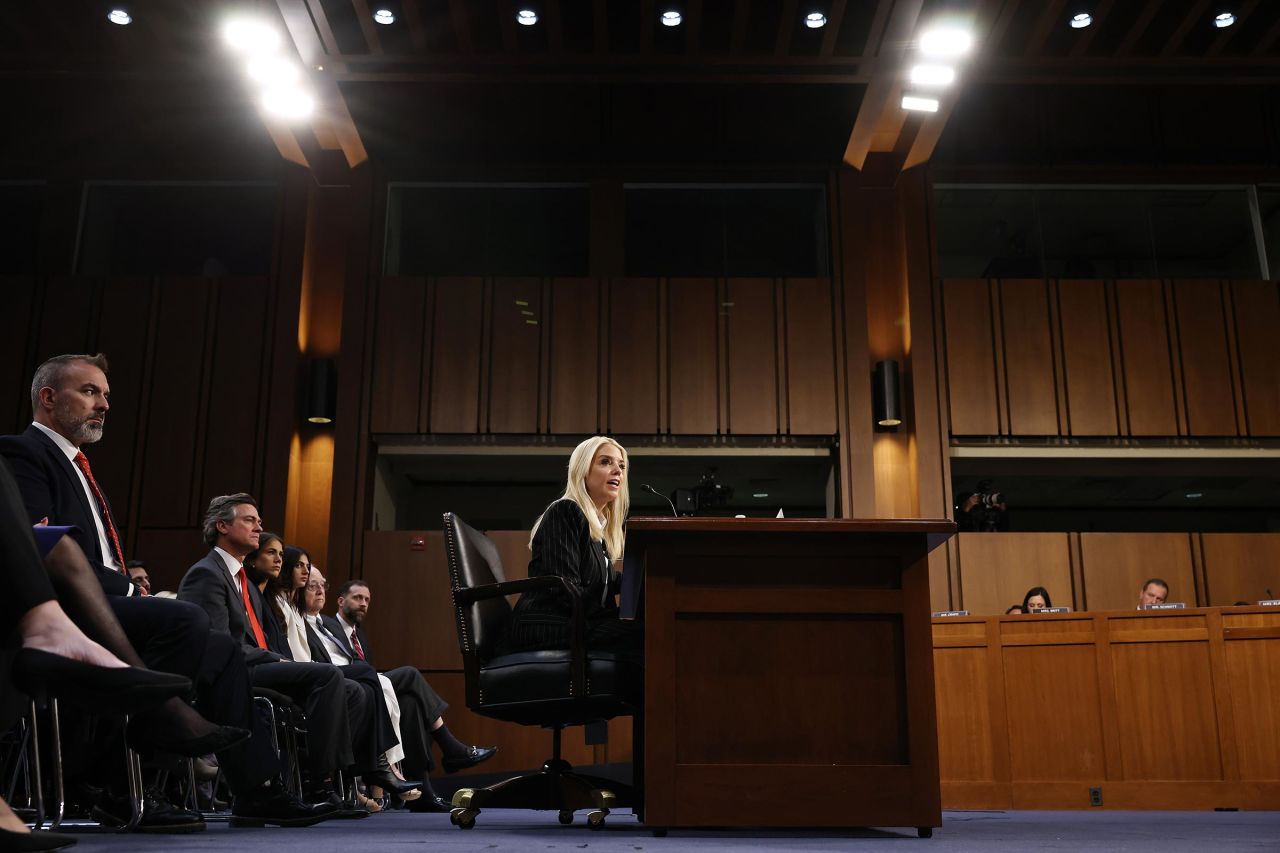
column 1253, row 678
column 456, row 345
column 411, row 620
column 1086, row 348
column 1206, row 362
column 811, row 357
column 693, row 356
column 997, row 569
column 1114, row 566
column 633, row 356
column 1029, row 358
column 1055, row 722
column 752, row 357
column 1146, row 365
column 1257, row 319
column 575, row 356
column 971, row 357
column 397, row 356
column 515, row 355
column 1241, row 566
column 960, row 674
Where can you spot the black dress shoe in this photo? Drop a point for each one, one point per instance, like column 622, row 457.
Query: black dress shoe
column 276, row 805
column 142, row 737
column 387, row 781
column 35, row 841
column 431, row 805
column 473, row 756
column 158, row 814
column 104, row 689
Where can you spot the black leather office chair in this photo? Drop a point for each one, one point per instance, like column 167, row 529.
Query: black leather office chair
column 540, row 688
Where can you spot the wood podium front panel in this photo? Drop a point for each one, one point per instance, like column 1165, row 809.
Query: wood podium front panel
column 814, row 628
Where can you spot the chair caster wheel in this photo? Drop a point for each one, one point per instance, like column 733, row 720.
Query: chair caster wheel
column 566, row 816
column 463, row 818
column 924, row 831
column 595, row 820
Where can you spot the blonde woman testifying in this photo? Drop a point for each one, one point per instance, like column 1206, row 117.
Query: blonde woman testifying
column 578, row 537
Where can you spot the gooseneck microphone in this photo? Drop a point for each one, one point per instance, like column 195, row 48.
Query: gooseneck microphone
column 651, row 490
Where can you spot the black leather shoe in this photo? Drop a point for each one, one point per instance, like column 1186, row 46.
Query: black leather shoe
column 143, row 737
column 276, row 805
column 431, row 805
column 474, row 755
column 33, row 842
column 158, row 814
column 102, row 689
column 387, row 781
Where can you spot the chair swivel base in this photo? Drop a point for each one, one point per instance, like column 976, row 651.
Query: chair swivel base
column 555, row 788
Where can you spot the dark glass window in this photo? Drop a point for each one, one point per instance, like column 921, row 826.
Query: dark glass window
column 1095, row 234
column 987, row 233
column 178, row 229
column 21, row 211
column 1203, row 233
column 468, row 229
column 701, row 230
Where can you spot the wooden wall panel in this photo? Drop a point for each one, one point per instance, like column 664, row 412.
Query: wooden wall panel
column 515, row 355
column 574, row 394
column 811, row 357
column 971, row 357
column 456, row 344
column 16, row 323
column 1029, row 357
column 1147, row 366
column 1114, row 566
column 693, row 356
column 633, row 356
column 1257, row 319
column 752, row 357
column 411, row 619
column 66, row 317
column 1241, row 567
column 1055, row 723
column 997, row 569
column 398, row 344
column 1253, row 679
column 961, row 676
column 1086, row 348
column 1206, row 361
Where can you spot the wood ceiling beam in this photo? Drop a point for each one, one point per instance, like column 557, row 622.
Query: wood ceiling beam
column 1139, row 27
column 693, row 24
column 883, row 91
column 1268, row 40
column 320, row 23
column 1099, row 21
column 878, row 24
column 786, row 28
column 1196, row 15
column 461, row 25
column 555, row 26
column 417, row 29
column 647, row 15
column 832, row 31
column 1050, row 18
column 507, row 26
column 368, row 27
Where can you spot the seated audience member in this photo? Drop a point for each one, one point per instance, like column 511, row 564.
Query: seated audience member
column 1154, row 591
column 578, row 537
column 138, row 574
column 1015, row 610
column 1037, row 598
column 423, row 709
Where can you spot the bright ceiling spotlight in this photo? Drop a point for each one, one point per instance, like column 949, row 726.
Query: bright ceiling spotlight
column 1224, row 19
column 1080, row 20
column 120, row 16
column 946, row 41
column 528, row 17
column 932, row 75
column 251, row 36
column 671, row 19
column 384, row 17
column 272, row 71
column 814, row 20
column 919, row 103
column 288, row 102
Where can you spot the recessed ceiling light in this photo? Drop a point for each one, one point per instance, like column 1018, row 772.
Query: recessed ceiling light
column 919, row 103
column 251, row 36
column 932, row 75
column 946, row 41
column 760, row 495
column 123, row 18
column 671, row 19
column 1194, row 495
column 814, row 20
column 1224, row 19
column 1080, row 20
column 528, row 17
column 384, row 17
column 288, row 102
column 272, row 71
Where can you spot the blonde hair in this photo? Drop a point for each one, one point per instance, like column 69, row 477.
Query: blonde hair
column 615, row 512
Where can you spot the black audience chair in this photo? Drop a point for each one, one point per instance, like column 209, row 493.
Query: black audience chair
column 554, row 689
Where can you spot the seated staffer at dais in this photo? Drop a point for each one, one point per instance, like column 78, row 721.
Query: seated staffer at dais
column 1154, row 591
column 1037, row 598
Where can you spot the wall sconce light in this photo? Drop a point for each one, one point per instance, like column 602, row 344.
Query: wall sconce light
column 322, row 391
column 885, row 396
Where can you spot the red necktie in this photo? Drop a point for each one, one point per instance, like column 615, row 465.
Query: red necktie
column 355, row 644
column 82, row 462
column 250, row 612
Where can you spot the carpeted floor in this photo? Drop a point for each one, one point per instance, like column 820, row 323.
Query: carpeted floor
column 499, row 831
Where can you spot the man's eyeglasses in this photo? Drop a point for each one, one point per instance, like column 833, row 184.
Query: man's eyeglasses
column 317, row 586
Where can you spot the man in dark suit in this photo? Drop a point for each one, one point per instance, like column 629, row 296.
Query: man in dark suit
column 343, row 731
column 69, row 400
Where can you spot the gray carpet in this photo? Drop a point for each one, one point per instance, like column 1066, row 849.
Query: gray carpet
column 497, row 831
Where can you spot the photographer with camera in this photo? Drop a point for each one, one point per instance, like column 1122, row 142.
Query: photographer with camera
column 983, row 510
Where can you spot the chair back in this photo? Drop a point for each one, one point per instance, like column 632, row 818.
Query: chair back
column 474, row 561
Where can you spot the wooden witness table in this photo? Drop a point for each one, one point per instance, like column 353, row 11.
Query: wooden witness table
column 1153, row 709
column 788, row 672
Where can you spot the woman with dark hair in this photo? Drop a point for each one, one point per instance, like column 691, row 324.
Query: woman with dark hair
column 1037, row 598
